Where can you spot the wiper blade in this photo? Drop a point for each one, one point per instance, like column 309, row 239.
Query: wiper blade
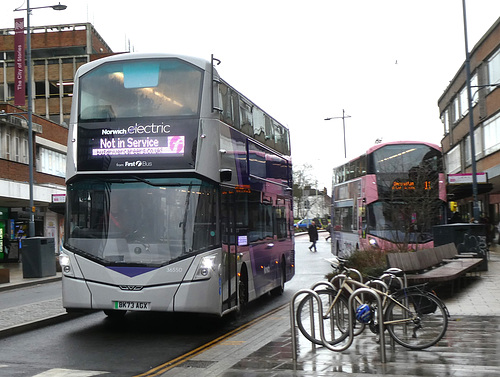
column 157, row 184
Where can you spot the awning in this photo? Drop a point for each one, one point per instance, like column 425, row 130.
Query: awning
column 58, row 208
column 464, row 190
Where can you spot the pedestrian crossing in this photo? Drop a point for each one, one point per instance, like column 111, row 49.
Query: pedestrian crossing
column 58, row 372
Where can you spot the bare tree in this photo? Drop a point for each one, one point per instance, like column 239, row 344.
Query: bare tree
column 411, row 204
column 305, row 194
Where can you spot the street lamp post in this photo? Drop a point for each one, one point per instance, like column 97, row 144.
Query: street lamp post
column 475, row 204
column 28, row 9
column 343, row 124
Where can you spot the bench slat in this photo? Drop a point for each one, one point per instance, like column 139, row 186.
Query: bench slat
column 439, row 264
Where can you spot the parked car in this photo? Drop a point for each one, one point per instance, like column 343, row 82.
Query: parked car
column 304, row 223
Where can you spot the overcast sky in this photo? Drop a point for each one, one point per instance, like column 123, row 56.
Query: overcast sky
column 384, row 62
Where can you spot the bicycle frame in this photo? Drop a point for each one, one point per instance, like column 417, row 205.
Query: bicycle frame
column 385, row 297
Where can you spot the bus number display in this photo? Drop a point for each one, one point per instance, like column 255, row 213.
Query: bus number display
column 408, row 185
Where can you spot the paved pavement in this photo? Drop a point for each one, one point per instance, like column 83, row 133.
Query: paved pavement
column 30, row 315
column 470, row 346
column 263, row 347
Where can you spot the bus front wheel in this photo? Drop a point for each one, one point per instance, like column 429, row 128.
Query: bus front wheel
column 115, row 314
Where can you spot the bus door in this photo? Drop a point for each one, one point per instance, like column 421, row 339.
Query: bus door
column 229, row 249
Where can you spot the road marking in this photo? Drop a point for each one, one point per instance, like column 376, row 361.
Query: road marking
column 160, row 369
column 59, row 372
column 233, row 342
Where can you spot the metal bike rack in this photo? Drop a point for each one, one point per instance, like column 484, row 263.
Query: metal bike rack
column 314, row 286
column 321, row 328
column 352, row 282
column 314, row 296
column 385, row 287
column 361, row 291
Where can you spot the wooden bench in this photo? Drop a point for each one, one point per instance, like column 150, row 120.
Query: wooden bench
column 437, row 265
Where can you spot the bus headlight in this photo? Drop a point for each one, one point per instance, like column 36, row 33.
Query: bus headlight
column 65, row 263
column 373, row 242
column 207, row 264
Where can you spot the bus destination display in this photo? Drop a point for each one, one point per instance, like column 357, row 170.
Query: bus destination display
column 145, row 146
column 123, row 142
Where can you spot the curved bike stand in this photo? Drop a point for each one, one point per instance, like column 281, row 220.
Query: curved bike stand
column 314, row 295
column 320, row 283
column 361, row 291
column 401, row 281
column 382, row 284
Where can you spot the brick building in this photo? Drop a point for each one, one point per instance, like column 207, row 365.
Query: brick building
column 57, row 52
column 453, row 107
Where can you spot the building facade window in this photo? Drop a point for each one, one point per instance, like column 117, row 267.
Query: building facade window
column 492, row 135
column 494, row 68
column 17, row 151
column 456, row 109
column 51, row 162
column 7, row 146
column 464, row 102
column 14, row 144
column 474, row 82
column 25, row 151
column 478, row 146
column 453, row 158
column 445, row 118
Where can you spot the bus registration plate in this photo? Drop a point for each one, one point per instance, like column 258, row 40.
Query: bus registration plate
column 132, row 305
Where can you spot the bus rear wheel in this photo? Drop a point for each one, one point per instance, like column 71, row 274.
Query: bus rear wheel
column 280, row 288
column 243, row 289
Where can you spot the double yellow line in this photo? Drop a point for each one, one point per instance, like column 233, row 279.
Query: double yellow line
column 160, row 369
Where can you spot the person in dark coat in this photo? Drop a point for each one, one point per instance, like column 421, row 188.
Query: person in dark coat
column 329, row 230
column 313, row 235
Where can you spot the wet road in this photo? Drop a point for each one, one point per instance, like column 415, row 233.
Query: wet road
column 139, row 342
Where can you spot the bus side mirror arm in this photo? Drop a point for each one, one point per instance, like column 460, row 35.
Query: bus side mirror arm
column 213, row 82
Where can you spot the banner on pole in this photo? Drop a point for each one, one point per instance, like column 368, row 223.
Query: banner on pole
column 19, row 79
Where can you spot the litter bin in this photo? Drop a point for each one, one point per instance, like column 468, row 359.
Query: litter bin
column 469, row 239
column 38, row 257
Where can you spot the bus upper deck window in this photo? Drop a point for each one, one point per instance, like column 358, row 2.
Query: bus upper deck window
column 144, row 75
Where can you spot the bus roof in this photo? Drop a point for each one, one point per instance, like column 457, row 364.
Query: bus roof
column 381, row 145
column 201, row 63
column 378, row 146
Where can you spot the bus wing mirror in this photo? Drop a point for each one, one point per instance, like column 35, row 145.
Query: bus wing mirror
column 226, row 175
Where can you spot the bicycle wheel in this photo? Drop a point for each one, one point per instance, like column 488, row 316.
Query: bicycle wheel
column 416, row 320
column 335, row 318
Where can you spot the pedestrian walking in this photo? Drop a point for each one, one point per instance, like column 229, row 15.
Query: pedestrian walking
column 329, row 230
column 313, row 236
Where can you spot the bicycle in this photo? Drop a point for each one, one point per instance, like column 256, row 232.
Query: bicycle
column 414, row 317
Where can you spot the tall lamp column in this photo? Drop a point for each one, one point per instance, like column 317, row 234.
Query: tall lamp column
column 343, row 124
column 31, row 226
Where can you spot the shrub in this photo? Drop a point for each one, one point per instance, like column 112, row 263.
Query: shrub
column 370, row 263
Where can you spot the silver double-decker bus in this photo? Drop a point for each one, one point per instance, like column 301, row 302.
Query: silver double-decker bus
column 179, row 191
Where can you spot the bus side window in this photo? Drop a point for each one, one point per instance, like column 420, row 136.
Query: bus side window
column 246, row 118
column 225, row 104
column 235, row 109
column 259, row 125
